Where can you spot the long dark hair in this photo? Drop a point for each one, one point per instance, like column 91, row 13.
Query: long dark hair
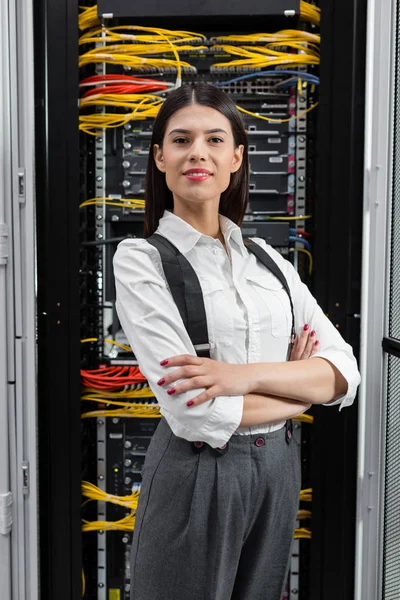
column 158, row 197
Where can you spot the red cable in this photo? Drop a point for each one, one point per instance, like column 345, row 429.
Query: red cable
column 115, row 77
column 109, row 378
column 122, row 89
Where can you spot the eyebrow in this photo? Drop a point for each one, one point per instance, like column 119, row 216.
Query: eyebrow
column 188, row 131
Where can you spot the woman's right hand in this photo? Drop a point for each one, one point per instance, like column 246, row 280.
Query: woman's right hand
column 305, row 345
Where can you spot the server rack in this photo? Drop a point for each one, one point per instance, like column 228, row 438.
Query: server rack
column 58, row 228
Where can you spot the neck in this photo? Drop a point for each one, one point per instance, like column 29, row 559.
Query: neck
column 203, row 218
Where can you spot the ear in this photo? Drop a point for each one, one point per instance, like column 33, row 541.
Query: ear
column 237, row 158
column 158, row 157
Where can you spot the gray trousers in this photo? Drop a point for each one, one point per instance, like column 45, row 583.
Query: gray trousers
column 215, row 526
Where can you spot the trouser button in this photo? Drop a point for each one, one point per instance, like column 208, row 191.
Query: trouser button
column 198, row 446
column 222, row 449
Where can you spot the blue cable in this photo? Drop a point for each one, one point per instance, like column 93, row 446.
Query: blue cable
column 312, row 78
column 287, row 84
column 306, row 76
column 300, row 240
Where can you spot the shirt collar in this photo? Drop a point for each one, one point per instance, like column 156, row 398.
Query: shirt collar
column 185, row 237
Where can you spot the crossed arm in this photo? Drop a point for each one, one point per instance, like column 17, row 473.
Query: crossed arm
column 272, row 392
column 261, row 408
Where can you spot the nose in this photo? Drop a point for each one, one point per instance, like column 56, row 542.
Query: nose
column 198, row 150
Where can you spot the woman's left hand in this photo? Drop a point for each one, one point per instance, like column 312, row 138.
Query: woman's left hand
column 219, row 378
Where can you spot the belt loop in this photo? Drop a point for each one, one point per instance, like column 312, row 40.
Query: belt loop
column 289, row 431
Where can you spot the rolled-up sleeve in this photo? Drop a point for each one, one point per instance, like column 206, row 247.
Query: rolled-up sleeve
column 332, row 346
column 334, row 349
column 155, row 330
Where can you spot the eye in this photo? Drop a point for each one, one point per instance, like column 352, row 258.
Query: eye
column 216, row 140
column 180, row 140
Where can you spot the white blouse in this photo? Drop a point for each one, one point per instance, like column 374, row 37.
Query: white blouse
column 248, row 319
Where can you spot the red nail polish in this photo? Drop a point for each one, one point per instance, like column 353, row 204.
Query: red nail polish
column 316, row 343
column 164, row 362
column 190, row 403
column 161, row 382
column 312, row 333
column 306, row 327
column 171, row 391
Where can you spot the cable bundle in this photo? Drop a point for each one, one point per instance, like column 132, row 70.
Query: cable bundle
column 88, row 18
column 293, row 77
column 136, row 411
column 121, row 84
column 302, row 533
column 287, row 47
column 144, row 107
column 133, row 391
column 310, row 12
column 290, row 48
column 113, row 386
column 94, row 493
column 306, row 495
column 261, row 57
column 304, row 514
column 109, row 378
column 125, row 203
column 137, row 57
column 150, row 35
column 304, row 419
column 283, row 37
column 113, row 342
column 145, row 53
column 125, row 524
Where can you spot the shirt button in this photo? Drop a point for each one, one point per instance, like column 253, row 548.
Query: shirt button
column 198, row 444
column 260, row 442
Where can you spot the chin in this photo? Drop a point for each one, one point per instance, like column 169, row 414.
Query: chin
column 197, row 195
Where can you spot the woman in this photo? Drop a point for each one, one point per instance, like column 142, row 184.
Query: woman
column 217, row 524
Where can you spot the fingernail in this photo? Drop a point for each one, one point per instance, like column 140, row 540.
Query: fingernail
column 164, row 362
column 190, row 403
column 161, row 382
column 312, row 333
column 306, row 327
column 171, row 391
column 316, row 343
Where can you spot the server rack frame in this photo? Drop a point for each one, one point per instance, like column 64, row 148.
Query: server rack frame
column 338, row 216
column 377, row 426
column 58, row 319
column 56, row 51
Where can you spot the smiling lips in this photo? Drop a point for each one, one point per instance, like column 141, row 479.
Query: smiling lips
column 197, row 174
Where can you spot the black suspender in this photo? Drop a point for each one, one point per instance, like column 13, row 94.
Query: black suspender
column 268, row 262
column 186, row 290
